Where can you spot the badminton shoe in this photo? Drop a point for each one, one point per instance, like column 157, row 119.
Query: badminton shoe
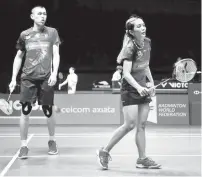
column 147, row 163
column 53, row 150
column 23, row 152
column 103, row 158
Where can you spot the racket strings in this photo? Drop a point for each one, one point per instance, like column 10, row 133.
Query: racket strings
column 185, row 71
column 6, row 107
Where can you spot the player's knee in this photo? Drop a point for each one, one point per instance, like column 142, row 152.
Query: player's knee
column 26, row 108
column 141, row 126
column 130, row 126
column 47, row 110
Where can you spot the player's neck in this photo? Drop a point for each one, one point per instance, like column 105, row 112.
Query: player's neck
column 38, row 28
column 139, row 42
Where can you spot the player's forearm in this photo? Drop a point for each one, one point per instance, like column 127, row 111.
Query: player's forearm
column 64, row 83
column 56, row 63
column 129, row 78
column 16, row 67
column 149, row 75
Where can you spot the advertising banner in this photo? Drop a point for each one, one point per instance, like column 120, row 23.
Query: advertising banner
column 173, row 85
column 173, row 109
column 194, row 94
column 153, row 111
column 74, row 109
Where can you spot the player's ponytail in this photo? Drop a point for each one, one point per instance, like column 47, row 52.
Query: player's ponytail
column 127, row 40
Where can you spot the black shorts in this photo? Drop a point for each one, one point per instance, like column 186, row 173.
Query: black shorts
column 36, row 90
column 133, row 98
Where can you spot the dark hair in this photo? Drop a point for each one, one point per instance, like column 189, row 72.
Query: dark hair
column 37, row 7
column 72, row 68
column 129, row 26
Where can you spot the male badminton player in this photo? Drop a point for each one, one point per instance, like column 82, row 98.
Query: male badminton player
column 40, row 45
column 135, row 96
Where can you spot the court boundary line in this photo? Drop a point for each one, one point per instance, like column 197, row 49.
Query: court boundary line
column 101, row 134
column 18, row 117
column 11, row 162
column 114, row 155
column 98, row 136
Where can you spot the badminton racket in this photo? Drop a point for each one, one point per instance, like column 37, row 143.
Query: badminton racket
column 184, row 71
column 5, row 106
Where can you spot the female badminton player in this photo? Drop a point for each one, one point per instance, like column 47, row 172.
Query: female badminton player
column 135, row 96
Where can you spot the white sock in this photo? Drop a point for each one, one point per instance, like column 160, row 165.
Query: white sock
column 52, row 138
column 23, row 143
column 143, row 158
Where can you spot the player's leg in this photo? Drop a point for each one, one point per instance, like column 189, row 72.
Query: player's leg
column 27, row 97
column 143, row 111
column 143, row 161
column 130, row 113
column 46, row 99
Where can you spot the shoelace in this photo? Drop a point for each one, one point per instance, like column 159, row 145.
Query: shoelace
column 21, row 149
column 106, row 157
column 150, row 160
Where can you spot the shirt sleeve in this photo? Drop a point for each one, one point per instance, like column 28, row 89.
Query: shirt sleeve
column 21, row 43
column 56, row 38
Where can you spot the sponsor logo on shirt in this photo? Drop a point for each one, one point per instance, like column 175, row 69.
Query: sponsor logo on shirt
column 139, row 54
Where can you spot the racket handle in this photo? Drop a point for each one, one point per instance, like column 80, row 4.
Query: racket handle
column 160, row 83
column 9, row 97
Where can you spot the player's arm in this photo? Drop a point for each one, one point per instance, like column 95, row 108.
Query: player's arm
column 149, row 75
column 126, row 56
column 65, row 82
column 56, row 59
column 127, row 65
column 17, row 64
column 16, row 67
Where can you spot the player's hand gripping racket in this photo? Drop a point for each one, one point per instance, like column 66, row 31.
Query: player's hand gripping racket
column 184, row 71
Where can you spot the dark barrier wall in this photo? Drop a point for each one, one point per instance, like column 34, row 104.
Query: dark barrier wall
column 85, row 80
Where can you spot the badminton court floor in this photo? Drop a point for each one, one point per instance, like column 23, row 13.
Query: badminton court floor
column 177, row 148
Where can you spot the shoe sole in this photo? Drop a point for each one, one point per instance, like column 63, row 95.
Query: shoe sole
column 23, row 157
column 98, row 160
column 53, row 153
column 150, row 167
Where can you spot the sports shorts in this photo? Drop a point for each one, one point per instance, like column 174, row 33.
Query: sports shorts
column 133, row 98
column 36, row 90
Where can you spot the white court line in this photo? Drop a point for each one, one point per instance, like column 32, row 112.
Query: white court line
column 105, row 134
column 114, row 155
column 5, row 170
column 99, row 136
column 14, row 117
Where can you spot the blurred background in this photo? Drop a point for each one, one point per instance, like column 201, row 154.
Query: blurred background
column 92, row 33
